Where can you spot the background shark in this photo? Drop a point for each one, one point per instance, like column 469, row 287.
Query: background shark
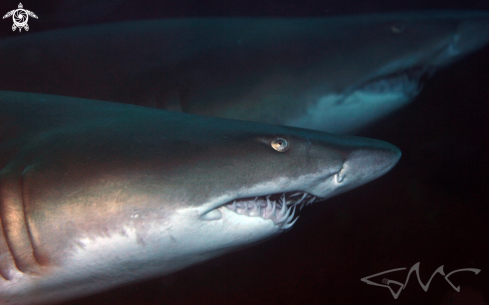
column 334, row 74
column 96, row 194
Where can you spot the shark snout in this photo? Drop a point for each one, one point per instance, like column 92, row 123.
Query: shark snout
column 356, row 161
column 473, row 34
column 369, row 162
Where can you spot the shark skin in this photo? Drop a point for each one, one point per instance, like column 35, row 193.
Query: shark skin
column 98, row 194
column 334, row 74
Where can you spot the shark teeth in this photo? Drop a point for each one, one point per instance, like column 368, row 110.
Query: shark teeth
column 280, row 208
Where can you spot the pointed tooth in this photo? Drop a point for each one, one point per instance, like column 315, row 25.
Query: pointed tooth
column 312, row 200
column 234, row 205
column 300, row 200
column 291, row 216
column 285, row 216
column 269, row 205
column 288, row 226
column 296, row 194
column 272, row 213
column 283, row 208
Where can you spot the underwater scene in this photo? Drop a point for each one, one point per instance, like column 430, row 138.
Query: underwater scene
column 244, row 152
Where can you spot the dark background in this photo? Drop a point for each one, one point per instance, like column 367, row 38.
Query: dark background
column 431, row 208
column 66, row 13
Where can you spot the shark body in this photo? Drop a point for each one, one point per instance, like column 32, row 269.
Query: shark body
column 334, row 74
column 97, row 194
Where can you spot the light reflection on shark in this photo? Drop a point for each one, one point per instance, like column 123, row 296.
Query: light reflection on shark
column 333, row 74
column 96, row 194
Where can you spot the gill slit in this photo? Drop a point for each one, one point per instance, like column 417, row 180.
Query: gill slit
column 27, row 225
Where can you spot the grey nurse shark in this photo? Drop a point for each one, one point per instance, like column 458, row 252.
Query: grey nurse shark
column 334, row 74
column 97, row 194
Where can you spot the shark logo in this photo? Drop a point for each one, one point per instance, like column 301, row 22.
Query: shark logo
column 20, row 17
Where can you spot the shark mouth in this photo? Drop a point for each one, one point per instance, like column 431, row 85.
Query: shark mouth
column 280, row 208
column 410, row 81
column 406, row 81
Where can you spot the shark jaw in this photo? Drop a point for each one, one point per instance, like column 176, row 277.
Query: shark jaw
column 277, row 208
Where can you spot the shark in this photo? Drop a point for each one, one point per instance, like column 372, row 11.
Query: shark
column 335, row 74
column 98, row 194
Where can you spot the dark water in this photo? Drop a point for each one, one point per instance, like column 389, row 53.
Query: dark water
column 432, row 208
column 65, row 13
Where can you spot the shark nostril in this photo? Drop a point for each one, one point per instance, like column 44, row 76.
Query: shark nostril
column 339, row 176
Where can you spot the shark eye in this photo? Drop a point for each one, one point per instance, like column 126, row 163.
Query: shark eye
column 280, row 144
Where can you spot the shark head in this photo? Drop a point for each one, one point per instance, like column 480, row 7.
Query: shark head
column 292, row 168
column 258, row 181
column 140, row 192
